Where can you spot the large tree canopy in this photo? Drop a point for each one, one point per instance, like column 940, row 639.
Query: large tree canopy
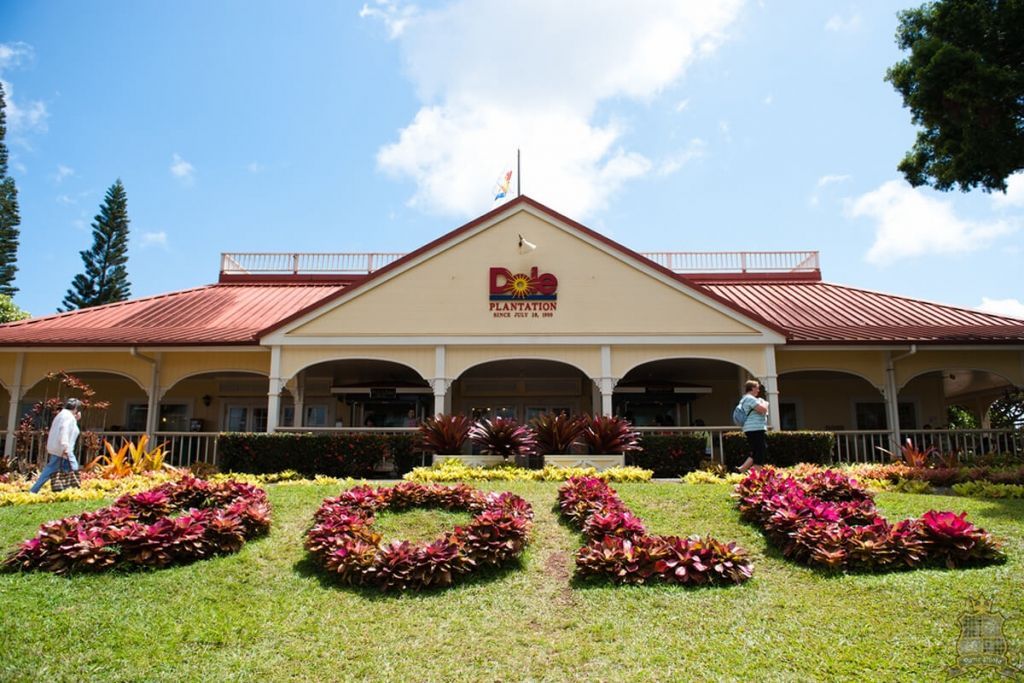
column 964, row 85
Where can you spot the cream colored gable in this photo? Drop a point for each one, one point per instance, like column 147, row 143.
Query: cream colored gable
column 598, row 293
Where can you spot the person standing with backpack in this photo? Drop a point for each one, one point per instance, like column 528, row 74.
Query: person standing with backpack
column 751, row 414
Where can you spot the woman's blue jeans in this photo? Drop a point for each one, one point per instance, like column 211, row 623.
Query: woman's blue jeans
column 53, row 465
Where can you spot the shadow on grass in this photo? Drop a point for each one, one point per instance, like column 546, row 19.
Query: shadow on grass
column 307, row 568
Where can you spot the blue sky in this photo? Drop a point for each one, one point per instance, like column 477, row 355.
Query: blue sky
column 672, row 126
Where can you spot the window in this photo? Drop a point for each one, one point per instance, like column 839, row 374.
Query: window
column 174, row 417
column 245, row 418
column 787, row 416
column 872, row 416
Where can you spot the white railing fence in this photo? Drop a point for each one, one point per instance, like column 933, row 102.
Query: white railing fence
column 345, row 263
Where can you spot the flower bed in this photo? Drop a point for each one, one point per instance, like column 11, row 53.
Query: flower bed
column 343, row 541
column 453, row 470
column 619, row 548
column 138, row 529
column 828, row 519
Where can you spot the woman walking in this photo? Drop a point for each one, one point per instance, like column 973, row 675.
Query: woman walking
column 60, row 445
column 755, row 424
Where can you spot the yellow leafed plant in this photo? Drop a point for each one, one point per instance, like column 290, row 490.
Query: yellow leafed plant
column 129, row 459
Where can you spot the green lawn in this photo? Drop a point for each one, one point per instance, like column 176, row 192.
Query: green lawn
column 266, row 613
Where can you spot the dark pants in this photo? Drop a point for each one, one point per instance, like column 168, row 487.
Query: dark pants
column 758, row 442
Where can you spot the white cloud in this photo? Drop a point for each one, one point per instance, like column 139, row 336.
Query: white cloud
column 910, row 223
column 768, row 99
column 255, row 167
column 25, row 116
column 1014, row 195
column 394, row 15
column 65, row 199
column 153, row 239
column 681, row 105
column 13, row 54
column 63, row 172
column 493, row 79
column 21, row 116
column 181, row 169
column 839, row 24
column 672, row 163
column 831, row 179
column 1012, row 308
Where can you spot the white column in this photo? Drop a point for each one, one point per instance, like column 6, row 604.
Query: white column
column 771, row 387
column 274, row 394
column 607, row 387
column 892, row 410
column 299, row 402
column 153, row 404
column 440, row 382
column 12, row 412
column 606, row 383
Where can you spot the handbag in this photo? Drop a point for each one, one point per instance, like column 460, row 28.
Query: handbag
column 65, row 478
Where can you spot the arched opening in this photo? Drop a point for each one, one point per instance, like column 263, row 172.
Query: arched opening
column 110, row 421
column 679, row 392
column 832, row 400
column 118, row 391
column 357, row 392
column 522, row 389
column 934, row 392
column 225, row 401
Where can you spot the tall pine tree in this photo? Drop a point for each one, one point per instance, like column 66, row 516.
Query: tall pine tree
column 105, row 279
column 9, row 218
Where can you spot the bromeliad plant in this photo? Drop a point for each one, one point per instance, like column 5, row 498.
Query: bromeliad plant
column 129, row 459
column 444, row 434
column 557, row 433
column 610, row 435
column 830, row 520
column 343, row 541
column 139, row 530
column 619, row 548
column 503, row 436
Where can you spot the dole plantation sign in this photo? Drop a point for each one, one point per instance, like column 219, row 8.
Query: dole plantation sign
column 518, row 295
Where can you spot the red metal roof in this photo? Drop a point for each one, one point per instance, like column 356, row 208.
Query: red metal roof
column 211, row 315
column 825, row 313
column 237, row 312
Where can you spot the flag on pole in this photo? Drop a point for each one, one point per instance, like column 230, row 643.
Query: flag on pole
column 502, row 185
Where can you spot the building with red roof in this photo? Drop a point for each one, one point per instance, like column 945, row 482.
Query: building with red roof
column 519, row 312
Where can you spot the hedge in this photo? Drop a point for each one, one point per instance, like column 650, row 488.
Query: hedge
column 669, row 455
column 336, row 455
column 784, row 448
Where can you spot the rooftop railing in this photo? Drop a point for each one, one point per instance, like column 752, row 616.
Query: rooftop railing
column 349, row 263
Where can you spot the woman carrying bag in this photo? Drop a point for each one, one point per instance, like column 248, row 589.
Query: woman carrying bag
column 61, row 468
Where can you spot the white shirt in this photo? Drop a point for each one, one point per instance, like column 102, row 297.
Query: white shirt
column 63, row 434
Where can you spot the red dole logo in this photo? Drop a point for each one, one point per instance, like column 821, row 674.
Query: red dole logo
column 505, row 285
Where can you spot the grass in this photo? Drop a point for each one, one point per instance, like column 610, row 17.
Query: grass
column 267, row 613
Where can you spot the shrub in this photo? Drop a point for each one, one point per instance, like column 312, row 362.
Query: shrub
column 669, row 455
column 557, row 434
column 828, row 519
column 503, row 436
column 784, row 448
column 352, row 454
column 342, row 539
column 986, row 489
column 620, row 549
column 610, row 435
column 444, row 434
column 138, row 531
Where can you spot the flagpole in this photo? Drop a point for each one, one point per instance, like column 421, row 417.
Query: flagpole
column 519, row 176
